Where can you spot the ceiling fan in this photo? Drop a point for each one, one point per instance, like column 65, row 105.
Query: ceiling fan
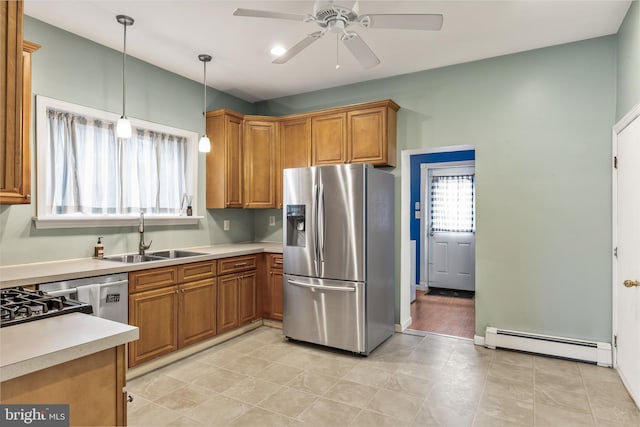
column 339, row 19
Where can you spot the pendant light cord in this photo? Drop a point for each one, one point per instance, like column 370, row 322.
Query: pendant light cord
column 124, row 70
column 204, row 84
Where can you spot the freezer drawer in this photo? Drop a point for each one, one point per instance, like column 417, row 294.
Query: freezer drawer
column 326, row 312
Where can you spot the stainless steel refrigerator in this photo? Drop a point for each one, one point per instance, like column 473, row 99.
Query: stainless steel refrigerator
column 338, row 249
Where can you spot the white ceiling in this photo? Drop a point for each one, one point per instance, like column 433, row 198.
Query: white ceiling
column 170, row 34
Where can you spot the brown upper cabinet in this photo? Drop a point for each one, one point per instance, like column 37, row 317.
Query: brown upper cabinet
column 372, row 135
column 261, row 162
column 249, row 153
column 295, row 147
column 328, row 137
column 224, row 162
column 15, row 120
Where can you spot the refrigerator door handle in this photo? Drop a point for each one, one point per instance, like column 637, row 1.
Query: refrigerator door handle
column 328, row 288
column 322, row 228
column 316, row 191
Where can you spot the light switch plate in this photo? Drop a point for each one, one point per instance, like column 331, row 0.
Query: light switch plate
column 227, row 225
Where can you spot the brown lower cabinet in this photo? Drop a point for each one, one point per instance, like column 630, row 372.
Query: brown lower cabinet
column 273, row 295
column 178, row 306
column 237, row 299
column 92, row 386
column 171, row 314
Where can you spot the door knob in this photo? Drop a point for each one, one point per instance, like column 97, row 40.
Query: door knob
column 631, row 283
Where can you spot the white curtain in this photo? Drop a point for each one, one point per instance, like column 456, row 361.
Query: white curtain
column 452, row 204
column 91, row 171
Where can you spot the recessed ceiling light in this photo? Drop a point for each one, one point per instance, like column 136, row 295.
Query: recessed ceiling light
column 277, row 50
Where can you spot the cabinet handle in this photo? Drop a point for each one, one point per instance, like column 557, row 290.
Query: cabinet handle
column 240, row 264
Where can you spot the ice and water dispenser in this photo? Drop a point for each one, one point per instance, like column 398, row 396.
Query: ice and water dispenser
column 295, row 225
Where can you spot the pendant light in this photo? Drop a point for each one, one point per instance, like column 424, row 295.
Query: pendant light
column 204, row 146
column 123, row 128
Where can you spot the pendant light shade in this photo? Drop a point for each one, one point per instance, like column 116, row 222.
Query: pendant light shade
column 123, row 128
column 204, row 146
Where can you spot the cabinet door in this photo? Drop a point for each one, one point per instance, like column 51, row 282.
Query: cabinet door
column 275, row 291
column 247, row 298
column 295, row 147
column 328, row 139
column 233, row 156
column 156, row 314
column 260, row 164
column 227, row 303
column 14, row 154
column 197, row 311
column 224, row 162
column 366, row 142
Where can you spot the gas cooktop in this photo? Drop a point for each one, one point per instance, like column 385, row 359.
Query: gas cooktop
column 19, row 305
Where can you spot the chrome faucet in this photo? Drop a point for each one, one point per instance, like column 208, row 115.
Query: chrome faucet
column 141, row 246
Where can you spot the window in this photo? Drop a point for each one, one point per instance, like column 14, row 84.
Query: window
column 87, row 176
column 452, row 203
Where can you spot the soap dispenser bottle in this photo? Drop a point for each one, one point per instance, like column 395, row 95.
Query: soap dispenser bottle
column 98, row 250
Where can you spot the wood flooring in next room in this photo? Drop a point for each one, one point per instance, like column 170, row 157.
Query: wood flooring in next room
column 443, row 315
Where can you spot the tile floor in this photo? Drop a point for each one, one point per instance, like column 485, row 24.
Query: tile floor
column 260, row 379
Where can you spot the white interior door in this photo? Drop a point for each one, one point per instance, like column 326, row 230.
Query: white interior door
column 450, row 228
column 626, row 282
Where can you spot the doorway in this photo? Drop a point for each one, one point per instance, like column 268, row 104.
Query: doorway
column 445, row 297
column 452, row 309
column 626, row 241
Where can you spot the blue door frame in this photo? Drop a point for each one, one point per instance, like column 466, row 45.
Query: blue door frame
column 417, row 160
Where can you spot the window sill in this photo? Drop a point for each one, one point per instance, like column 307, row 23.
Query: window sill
column 107, row 221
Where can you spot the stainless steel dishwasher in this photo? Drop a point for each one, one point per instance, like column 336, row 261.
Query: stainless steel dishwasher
column 108, row 295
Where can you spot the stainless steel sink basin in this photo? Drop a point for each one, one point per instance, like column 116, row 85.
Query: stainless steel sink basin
column 134, row 258
column 175, row 254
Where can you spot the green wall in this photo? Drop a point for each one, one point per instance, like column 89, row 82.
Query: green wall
column 541, row 124
column 628, row 93
column 74, row 69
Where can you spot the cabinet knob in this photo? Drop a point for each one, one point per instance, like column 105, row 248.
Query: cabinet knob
column 27, row 196
column 130, row 398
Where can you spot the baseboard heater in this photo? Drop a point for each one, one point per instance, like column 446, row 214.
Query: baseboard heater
column 588, row 351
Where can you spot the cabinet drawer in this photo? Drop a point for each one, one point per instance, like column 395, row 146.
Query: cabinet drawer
column 235, row 264
column 151, row 279
column 196, row 271
column 274, row 261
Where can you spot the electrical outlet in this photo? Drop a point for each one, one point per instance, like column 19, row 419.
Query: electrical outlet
column 272, row 220
column 227, row 225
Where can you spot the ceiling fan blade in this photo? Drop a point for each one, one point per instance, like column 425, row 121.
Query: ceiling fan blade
column 268, row 14
column 425, row 22
column 298, row 47
column 360, row 50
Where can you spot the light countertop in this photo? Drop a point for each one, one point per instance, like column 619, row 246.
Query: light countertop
column 56, row 340
column 43, row 272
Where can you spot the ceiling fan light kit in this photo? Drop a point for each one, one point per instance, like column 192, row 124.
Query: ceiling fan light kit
column 338, row 19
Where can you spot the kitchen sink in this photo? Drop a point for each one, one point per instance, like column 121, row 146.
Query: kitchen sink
column 134, row 258
column 175, row 254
